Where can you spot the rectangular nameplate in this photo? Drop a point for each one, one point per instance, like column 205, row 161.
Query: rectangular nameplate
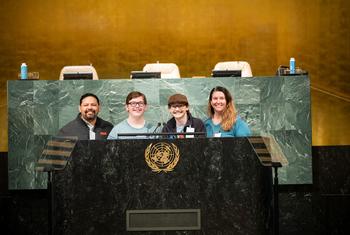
column 163, row 220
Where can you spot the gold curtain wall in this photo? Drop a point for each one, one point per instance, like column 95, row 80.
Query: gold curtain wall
column 120, row 36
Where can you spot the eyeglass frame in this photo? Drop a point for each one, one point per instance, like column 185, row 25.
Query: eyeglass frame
column 134, row 104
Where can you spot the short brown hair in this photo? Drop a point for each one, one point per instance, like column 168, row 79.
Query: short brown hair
column 135, row 94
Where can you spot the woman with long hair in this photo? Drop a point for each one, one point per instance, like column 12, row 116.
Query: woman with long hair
column 223, row 120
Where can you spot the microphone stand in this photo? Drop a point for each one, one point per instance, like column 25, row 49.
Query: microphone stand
column 158, row 125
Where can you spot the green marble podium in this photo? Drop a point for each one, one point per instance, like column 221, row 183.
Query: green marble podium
column 278, row 106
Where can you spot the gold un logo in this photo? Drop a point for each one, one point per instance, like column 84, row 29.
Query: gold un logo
column 162, row 156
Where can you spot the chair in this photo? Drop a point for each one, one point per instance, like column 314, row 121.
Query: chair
column 243, row 66
column 167, row 70
column 78, row 72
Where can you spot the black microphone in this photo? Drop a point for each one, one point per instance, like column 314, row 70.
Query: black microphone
column 158, row 125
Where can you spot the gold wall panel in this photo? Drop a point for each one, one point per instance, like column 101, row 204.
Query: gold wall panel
column 120, row 36
column 330, row 119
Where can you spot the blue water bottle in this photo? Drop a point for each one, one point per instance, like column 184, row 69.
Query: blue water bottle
column 24, row 71
column 292, row 66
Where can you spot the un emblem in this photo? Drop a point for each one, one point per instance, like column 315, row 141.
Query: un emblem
column 162, row 156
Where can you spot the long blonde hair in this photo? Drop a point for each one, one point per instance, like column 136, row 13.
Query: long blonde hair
column 230, row 113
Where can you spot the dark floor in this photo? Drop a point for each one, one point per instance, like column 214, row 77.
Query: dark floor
column 321, row 208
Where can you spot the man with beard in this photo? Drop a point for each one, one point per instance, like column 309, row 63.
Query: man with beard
column 87, row 125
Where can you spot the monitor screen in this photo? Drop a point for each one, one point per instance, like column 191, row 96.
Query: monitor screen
column 77, row 76
column 226, row 73
column 142, row 75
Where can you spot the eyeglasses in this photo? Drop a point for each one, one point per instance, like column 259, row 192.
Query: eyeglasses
column 135, row 104
column 174, row 106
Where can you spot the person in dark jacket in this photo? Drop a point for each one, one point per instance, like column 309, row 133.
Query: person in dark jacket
column 87, row 125
column 182, row 120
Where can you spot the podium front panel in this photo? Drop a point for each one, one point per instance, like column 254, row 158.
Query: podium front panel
column 222, row 178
